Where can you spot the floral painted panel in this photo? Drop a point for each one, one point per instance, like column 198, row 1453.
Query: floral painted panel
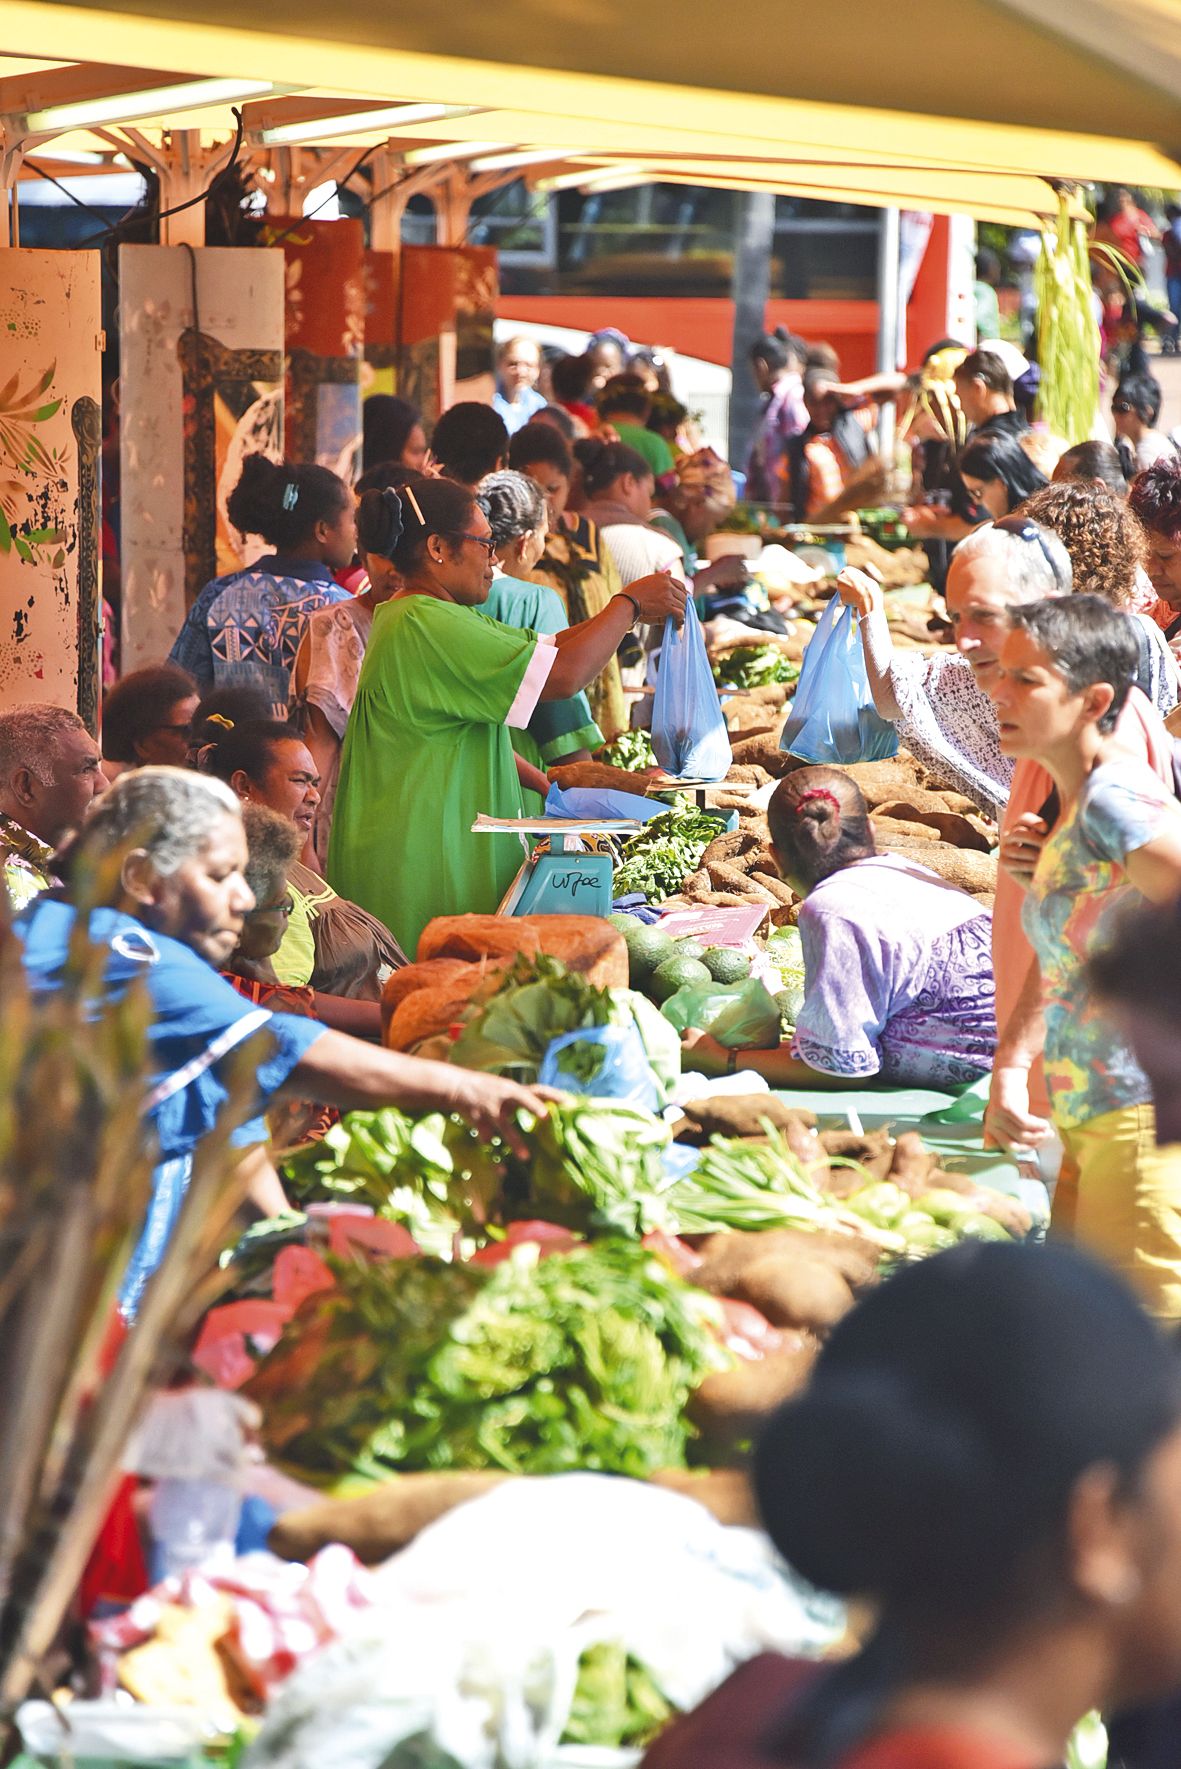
column 50, row 354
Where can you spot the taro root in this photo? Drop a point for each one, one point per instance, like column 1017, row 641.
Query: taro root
column 724, row 1257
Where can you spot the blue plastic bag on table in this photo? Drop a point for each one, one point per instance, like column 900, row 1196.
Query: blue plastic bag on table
column 833, row 718
column 689, row 732
column 623, row 1072
column 593, row 802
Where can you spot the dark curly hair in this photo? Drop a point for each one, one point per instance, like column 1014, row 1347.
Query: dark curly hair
column 1156, row 498
column 1105, row 539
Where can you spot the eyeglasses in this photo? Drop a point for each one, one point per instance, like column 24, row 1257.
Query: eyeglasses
column 1023, row 530
column 285, row 907
column 1122, row 405
column 482, row 540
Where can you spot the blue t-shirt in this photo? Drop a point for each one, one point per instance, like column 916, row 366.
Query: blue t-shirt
column 192, row 1010
column 244, row 630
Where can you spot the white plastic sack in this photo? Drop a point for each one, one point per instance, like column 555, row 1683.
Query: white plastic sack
column 474, row 1644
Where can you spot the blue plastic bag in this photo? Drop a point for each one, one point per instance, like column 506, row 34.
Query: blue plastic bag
column 833, row 718
column 601, row 801
column 688, row 730
column 623, row 1072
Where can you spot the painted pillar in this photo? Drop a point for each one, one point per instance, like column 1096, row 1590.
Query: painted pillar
column 446, row 310
column 380, row 374
column 50, row 449
column 201, row 371
column 325, row 269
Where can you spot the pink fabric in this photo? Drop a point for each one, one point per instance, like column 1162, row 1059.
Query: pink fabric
column 1142, row 733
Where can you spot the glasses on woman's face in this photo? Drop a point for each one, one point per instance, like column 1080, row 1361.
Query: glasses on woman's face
column 482, row 540
column 285, row 907
column 1122, row 407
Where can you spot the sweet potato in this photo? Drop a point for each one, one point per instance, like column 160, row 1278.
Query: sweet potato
column 792, row 1292
column 747, row 1114
column 889, row 831
column 376, row 1524
column 730, row 1405
column 912, row 1163
column 950, row 826
column 697, row 886
column 879, row 782
column 781, row 892
column 746, row 774
column 724, row 1257
column 732, row 899
column 728, row 847
column 760, row 752
column 959, row 866
column 599, row 774
column 872, row 1150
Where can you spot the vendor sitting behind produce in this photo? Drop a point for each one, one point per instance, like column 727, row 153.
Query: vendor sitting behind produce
column 166, row 852
column 897, row 962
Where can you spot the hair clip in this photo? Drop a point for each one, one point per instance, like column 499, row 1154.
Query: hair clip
column 818, row 792
column 220, row 719
column 290, row 495
column 415, row 505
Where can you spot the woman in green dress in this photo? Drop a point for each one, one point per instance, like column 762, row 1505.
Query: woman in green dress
column 560, row 730
column 428, row 747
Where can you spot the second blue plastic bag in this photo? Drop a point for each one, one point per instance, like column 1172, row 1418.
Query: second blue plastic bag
column 688, row 730
column 601, row 801
column 606, row 1062
column 833, row 718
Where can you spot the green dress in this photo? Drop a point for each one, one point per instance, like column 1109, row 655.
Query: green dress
column 557, row 726
column 427, row 750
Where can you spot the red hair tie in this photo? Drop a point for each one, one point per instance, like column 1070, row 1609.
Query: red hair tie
column 818, row 792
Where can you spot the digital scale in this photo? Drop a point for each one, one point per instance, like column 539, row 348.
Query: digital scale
column 574, row 876
column 571, row 878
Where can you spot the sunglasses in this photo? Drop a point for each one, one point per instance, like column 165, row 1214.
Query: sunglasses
column 1122, row 405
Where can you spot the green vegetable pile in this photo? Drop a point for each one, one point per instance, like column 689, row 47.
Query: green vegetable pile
column 754, row 666
column 434, row 1175
column 582, row 1360
column 659, row 860
column 538, row 1000
column 597, row 1164
column 632, row 750
column 616, row 1705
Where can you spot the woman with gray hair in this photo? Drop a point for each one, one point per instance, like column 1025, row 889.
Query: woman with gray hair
column 940, row 703
column 560, row 730
column 165, row 852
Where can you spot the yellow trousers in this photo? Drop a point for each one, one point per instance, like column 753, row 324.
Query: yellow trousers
column 1119, row 1196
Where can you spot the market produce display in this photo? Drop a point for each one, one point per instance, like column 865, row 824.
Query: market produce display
column 656, row 861
column 583, row 1359
column 753, row 666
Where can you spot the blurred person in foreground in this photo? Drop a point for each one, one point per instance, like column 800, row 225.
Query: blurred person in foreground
column 1014, row 1534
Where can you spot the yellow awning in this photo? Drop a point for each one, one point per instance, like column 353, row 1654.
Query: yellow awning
column 950, row 84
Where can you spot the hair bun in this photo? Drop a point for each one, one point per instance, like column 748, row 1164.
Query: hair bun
column 381, row 520
column 866, row 1490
